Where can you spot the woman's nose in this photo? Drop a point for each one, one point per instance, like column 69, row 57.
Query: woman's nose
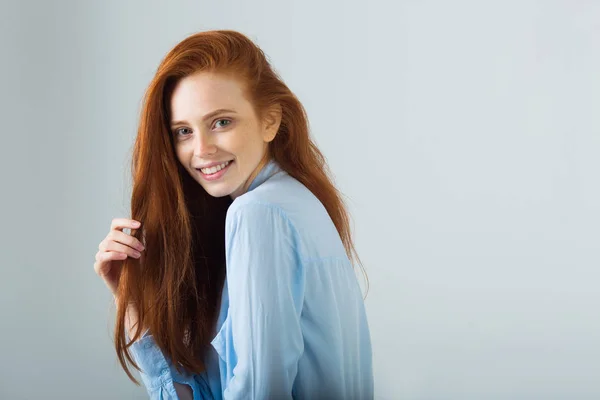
column 204, row 146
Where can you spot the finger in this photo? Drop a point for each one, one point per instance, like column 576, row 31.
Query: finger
column 124, row 238
column 103, row 257
column 111, row 245
column 121, row 223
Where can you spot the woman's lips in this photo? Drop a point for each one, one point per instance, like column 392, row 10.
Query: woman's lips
column 217, row 175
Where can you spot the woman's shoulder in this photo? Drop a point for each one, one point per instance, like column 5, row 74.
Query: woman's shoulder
column 291, row 199
column 284, row 198
column 282, row 192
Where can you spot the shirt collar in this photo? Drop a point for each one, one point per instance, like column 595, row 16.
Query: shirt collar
column 267, row 171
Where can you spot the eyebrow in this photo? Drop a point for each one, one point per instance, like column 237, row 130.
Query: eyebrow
column 207, row 116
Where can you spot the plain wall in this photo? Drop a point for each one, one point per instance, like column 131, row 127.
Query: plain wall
column 465, row 135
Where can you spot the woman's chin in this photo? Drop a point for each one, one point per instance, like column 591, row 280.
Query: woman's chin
column 218, row 192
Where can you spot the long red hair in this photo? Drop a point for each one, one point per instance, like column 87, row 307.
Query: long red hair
column 176, row 284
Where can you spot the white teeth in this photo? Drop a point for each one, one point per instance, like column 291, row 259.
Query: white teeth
column 215, row 169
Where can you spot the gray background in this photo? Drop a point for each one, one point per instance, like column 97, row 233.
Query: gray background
column 464, row 133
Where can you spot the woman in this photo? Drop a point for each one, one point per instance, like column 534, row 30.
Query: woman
column 242, row 284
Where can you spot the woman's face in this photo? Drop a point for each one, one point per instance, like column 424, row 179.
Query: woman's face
column 218, row 137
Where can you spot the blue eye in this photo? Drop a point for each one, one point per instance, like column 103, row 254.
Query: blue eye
column 176, row 131
column 219, row 120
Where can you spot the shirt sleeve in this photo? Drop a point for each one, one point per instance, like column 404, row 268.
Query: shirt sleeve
column 158, row 373
column 266, row 286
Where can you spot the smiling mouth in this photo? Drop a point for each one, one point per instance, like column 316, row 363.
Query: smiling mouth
column 215, row 169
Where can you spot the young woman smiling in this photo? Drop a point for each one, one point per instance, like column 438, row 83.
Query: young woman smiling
column 236, row 280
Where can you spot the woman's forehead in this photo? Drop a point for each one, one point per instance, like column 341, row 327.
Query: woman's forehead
column 200, row 94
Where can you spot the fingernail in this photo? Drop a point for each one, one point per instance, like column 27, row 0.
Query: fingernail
column 136, row 223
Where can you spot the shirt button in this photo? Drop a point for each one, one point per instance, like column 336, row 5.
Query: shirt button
column 147, row 345
column 165, row 371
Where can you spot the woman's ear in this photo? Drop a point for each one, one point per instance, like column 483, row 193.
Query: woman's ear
column 272, row 121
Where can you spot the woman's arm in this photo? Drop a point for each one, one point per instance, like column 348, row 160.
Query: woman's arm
column 184, row 392
column 266, row 286
column 161, row 379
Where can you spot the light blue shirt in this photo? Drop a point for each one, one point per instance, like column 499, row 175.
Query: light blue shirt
column 292, row 320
